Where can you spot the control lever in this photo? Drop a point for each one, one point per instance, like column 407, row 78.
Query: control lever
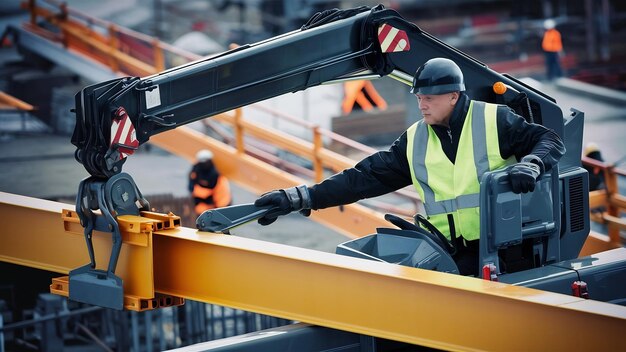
column 436, row 237
column 223, row 219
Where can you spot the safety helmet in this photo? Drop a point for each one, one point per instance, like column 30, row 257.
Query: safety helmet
column 590, row 148
column 204, row 155
column 438, row 76
column 549, row 24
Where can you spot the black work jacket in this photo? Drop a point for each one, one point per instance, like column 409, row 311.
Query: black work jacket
column 387, row 171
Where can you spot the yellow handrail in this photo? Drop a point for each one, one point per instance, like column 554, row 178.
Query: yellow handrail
column 320, row 157
column 101, row 40
column 337, row 164
column 11, row 102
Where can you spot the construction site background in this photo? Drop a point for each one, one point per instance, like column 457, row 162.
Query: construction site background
column 503, row 34
column 37, row 158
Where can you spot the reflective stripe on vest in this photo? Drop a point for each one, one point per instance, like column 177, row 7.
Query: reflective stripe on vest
column 448, row 188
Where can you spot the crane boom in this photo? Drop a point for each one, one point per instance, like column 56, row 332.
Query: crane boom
column 346, row 45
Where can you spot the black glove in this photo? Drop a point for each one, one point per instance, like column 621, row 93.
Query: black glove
column 523, row 175
column 283, row 202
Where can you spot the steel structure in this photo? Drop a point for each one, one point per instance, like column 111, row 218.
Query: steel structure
column 378, row 299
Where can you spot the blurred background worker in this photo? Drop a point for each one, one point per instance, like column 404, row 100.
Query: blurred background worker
column 361, row 95
column 208, row 188
column 596, row 175
column 552, row 47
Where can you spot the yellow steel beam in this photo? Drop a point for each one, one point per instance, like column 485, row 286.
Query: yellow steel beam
column 46, row 235
column 399, row 303
column 416, row 306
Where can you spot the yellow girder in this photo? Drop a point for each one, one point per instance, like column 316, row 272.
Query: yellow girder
column 405, row 304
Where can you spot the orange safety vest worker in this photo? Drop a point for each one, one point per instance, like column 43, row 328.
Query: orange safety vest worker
column 208, row 188
column 552, row 41
column 363, row 94
column 206, row 197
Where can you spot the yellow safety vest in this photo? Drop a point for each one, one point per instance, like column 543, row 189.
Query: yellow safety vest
column 447, row 188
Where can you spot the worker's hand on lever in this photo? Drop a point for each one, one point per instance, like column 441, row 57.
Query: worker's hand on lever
column 284, row 201
column 523, row 175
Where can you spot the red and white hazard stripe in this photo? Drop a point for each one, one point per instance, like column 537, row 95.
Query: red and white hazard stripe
column 123, row 132
column 392, row 39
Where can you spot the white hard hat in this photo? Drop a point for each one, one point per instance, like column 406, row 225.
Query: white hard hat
column 590, row 148
column 204, row 155
column 549, row 23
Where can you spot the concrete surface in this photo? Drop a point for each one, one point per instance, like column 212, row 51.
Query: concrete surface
column 605, row 122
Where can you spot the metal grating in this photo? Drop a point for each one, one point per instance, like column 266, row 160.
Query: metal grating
column 576, row 204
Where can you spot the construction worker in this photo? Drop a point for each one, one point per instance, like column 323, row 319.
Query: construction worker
column 361, row 94
column 596, row 175
column 552, row 47
column 208, row 188
column 444, row 156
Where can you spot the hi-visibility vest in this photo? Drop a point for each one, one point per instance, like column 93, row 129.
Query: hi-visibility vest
column 210, row 198
column 552, row 41
column 447, row 188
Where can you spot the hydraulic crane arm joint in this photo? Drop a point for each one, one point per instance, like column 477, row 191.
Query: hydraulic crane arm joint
column 114, row 197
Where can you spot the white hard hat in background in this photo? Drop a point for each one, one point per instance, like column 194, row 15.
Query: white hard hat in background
column 590, row 148
column 198, row 43
column 549, row 23
column 204, row 155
